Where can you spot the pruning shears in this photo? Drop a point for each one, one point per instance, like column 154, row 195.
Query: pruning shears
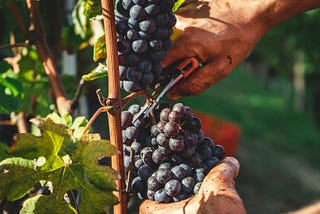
column 171, row 74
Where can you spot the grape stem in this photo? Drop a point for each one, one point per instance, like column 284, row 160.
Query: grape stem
column 134, row 95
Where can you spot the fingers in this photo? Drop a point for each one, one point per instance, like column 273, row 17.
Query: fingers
column 201, row 79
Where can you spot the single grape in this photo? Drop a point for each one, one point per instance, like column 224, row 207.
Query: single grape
column 166, row 5
column 152, row 9
column 136, row 147
column 219, row 152
column 188, row 152
column 165, row 165
column 139, row 46
column 197, row 187
column 163, row 175
column 162, row 140
column 158, row 56
column 144, row 172
column 133, row 23
column 172, row 20
column 160, row 196
column 161, row 125
column 134, row 109
column 156, row 69
column 200, row 135
column 132, row 34
column 196, row 123
column 120, row 8
column 171, row 129
column 187, row 184
column 164, row 114
column 138, row 163
column 139, row 2
column 211, row 162
column 149, row 25
column 123, row 72
column 126, row 119
column 204, row 151
column 155, row 44
column 172, row 187
column 162, row 19
column 195, row 159
column 180, row 197
column 127, row 4
column 179, row 172
column 174, row 116
column 137, row 12
column 146, row 79
column 122, row 26
column 144, row 35
column 162, row 32
column 176, row 144
column 158, row 156
column 150, row 194
column 145, row 66
column 126, row 161
column 191, row 138
column 177, row 159
column 187, row 168
column 137, row 185
column 153, row 184
column 167, row 44
column 146, row 156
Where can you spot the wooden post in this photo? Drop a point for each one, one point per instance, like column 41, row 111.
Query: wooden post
column 114, row 116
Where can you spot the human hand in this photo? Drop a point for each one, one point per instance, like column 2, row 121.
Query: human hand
column 217, row 194
column 220, row 34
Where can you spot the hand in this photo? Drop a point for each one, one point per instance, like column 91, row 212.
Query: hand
column 222, row 34
column 217, row 194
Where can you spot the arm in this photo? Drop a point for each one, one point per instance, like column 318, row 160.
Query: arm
column 223, row 33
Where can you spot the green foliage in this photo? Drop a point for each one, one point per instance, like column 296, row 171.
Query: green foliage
column 10, row 89
column 98, row 72
column 177, row 5
column 99, row 49
column 93, row 9
column 62, row 160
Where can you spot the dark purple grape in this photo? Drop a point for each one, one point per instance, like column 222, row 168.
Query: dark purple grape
column 158, row 56
column 154, row 130
column 145, row 65
column 126, row 119
column 162, row 140
column 139, row 46
column 144, row 35
column 199, row 176
column 165, row 165
column 158, row 156
column 132, row 132
column 179, row 172
column 127, row 4
column 195, row 159
column 146, row 156
column 152, row 9
column 187, row 168
column 219, row 152
column 204, row 151
column 196, row 123
column 172, row 187
column 167, row 44
column 150, row 194
column 160, row 196
column 124, row 46
column 163, row 175
column 161, row 125
column 155, row 44
column 211, row 162
column 174, row 116
column 133, row 23
column 188, row 152
column 137, row 185
column 134, row 109
column 133, row 74
column 126, row 161
column 164, row 114
column 123, row 72
column 166, row 5
column 172, row 20
column 137, row 12
column 147, row 79
column 122, row 26
column 191, row 138
column 162, row 19
column 197, row 187
column 177, row 159
column 187, row 184
column 200, row 135
column 156, row 69
column 153, row 184
column 136, row 147
column 171, row 129
column 176, row 144
column 120, row 8
column 132, row 34
column 162, row 32
column 179, row 107
column 209, row 142
column 144, row 172
column 138, row 163
column 149, row 25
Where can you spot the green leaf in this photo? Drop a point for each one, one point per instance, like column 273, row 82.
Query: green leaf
column 99, row 49
column 98, row 72
column 17, row 176
column 48, row 158
column 4, row 151
column 4, row 66
column 177, row 5
column 10, row 91
column 93, row 9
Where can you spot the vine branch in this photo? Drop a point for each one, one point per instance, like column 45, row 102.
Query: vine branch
column 114, row 115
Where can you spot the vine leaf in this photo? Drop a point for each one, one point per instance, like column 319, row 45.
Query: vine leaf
column 93, row 9
column 63, row 162
column 99, row 49
column 98, row 72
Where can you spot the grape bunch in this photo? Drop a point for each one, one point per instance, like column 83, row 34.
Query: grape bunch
column 143, row 30
column 171, row 157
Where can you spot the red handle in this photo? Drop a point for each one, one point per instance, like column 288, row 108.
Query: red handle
column 188, row 66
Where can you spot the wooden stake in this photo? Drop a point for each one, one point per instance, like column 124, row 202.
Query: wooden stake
column 114, row 116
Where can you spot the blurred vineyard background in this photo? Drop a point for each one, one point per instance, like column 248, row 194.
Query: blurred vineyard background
column 273, row 97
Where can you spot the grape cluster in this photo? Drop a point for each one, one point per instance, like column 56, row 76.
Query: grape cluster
column 143, row 30
column 172, row 157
